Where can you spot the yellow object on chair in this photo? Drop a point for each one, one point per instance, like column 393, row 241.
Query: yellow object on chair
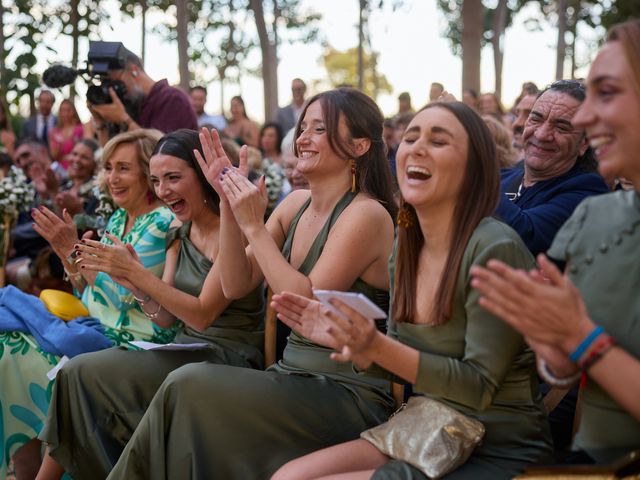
column 63, row 304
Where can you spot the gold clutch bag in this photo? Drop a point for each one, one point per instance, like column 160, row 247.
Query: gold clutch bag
column 427, row 434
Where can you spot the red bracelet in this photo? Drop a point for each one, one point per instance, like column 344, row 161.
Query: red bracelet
column 598, row 350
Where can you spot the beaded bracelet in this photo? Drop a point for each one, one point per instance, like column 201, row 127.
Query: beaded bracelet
column 585, row 344
column 551, row 379
column 596, row 353
column 141, row 301
column 72, row 276
column 154, row 315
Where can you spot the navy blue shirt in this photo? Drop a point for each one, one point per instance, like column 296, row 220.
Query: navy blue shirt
column 539, row 211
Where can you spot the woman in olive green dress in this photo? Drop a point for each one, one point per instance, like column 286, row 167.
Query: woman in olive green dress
column 212, row 421
column 100, row 398
column 440, row 340
column 600, row 246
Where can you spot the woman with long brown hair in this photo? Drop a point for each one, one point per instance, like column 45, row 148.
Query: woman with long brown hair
column 238, row 423
column 439, row 340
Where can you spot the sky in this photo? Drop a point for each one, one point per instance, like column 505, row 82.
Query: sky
column 412, row 54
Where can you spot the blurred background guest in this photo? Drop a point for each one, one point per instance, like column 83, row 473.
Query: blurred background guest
column 240, row 128
column 42, row 123
column 65, row 134
column 7, row 131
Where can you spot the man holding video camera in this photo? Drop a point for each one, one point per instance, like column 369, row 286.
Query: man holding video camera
column 150, row 104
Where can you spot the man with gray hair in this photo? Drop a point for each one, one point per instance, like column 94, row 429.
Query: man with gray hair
column 287, row 117
column 558, row 170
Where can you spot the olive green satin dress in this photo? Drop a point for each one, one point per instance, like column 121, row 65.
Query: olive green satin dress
column 480, row 366
column 218, row 422
column 99, row 398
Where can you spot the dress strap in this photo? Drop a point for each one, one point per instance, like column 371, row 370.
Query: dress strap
column 318, row 244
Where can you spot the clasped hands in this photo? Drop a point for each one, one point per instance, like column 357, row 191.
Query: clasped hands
column 248, row 202
column 119, row 260
column 351, row 335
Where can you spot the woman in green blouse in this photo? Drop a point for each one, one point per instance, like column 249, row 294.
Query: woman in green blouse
column 587, row 320
column 439, row 338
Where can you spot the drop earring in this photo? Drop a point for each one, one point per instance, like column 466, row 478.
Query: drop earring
column 353, row 175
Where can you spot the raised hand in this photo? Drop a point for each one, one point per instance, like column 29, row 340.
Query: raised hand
column 71, row 202
column 215, row 159
column 61, row 233
column 545, row 307
column 248, row 201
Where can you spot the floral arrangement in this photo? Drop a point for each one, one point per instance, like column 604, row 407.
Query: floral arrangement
column 274, row 180
column 99, row 219
column 16, row 194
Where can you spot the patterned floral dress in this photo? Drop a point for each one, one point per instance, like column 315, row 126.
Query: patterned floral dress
column 25, row 390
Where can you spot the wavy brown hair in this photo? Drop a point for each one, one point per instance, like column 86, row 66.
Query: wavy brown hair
column 363, row 120
column 477, row 199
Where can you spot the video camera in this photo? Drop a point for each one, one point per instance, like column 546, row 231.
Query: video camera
column 103, row 56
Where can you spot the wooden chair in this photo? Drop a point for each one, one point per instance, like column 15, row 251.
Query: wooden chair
column 270, row 331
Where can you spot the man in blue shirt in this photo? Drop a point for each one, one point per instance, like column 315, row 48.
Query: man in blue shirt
column 558, row 170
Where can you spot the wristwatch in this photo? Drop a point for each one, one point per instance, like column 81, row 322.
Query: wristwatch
column 72, row 257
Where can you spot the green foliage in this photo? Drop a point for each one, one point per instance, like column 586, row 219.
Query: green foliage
column 24, row 24
column 342, row 69
column 611, row 12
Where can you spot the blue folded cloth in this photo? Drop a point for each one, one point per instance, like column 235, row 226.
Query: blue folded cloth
column 25, row 313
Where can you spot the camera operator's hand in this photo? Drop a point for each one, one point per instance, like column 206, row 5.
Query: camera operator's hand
column 113, row 112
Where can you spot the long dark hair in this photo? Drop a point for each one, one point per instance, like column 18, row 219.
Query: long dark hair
column 363, row 120
column 477, row 199
column 279, row 135
column 181, row 144
column 239, row 99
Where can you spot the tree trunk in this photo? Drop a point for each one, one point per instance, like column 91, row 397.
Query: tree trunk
column 182, row 27
column 363, row 5
column 269, row 60
column 222, row 95
column 562, row 44
column 472, row 15
column 75, row 35
column 499, row 24
column 574, row 32
column 3, row 54
column 143, row 50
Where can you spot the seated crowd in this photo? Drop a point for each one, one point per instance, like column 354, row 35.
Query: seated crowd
column 501, row 244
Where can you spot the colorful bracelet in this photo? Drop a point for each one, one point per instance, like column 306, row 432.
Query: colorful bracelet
column 598, row 351
column 584, row 345
column 551, row 379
